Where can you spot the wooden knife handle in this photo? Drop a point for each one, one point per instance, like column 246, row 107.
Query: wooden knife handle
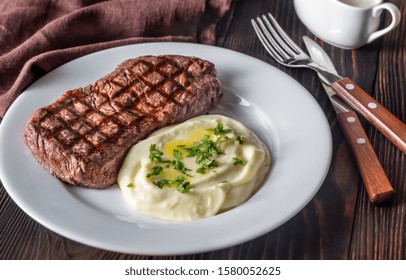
column 389, row 125
column 375, row 181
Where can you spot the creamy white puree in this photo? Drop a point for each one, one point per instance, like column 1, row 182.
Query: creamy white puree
column 220, row 189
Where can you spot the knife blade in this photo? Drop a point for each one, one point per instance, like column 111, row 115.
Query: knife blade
column 376, row 183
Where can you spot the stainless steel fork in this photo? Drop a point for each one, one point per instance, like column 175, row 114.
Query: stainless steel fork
column 281, row 47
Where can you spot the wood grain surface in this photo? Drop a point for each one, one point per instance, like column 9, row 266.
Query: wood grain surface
column 339, row 222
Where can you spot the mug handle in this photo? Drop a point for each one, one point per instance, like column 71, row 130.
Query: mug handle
column 376, row 12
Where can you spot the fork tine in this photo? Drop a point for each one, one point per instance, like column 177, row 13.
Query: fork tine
column 272, row 38
column 277, row 39
column 278, row 43
column 265, row 40
column 279, row 32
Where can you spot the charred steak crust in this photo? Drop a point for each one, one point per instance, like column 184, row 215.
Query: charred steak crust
column 83, row 137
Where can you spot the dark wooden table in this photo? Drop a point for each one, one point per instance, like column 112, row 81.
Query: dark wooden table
column 340, row 222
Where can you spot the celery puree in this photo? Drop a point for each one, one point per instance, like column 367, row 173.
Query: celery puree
column 193, row 170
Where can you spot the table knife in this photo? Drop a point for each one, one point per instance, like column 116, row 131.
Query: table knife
column 376, row 183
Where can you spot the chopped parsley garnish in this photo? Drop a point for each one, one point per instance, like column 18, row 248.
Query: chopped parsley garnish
column 204, row 151
column 164, row 182
column 155, row 154
column 181, row 185
column 156, row 170
column 130, row 185
column 180, row 166
column 237, row 161
column 205, row 165
column 177, row 154
column 219, row 130
column 239, row 138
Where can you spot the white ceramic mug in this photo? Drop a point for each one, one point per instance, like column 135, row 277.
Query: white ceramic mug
column 347, row 24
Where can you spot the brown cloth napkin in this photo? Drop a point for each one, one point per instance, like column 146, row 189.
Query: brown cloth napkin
column 38, row 35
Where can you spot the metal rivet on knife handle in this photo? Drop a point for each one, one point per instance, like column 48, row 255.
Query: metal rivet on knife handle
column 389, row 125
column 349, row 86
column 361, row 141
column 372, row 105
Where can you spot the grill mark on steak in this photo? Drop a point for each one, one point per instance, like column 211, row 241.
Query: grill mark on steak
column 82, row 137
column 159, row 86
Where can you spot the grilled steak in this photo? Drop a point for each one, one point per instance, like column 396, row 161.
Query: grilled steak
column 83, row 137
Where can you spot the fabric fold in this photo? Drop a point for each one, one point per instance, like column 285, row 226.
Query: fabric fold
column 37, row 36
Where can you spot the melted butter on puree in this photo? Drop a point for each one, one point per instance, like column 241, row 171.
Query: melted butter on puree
column 223, row 187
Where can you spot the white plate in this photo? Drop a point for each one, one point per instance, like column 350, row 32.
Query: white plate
column 278, row 109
